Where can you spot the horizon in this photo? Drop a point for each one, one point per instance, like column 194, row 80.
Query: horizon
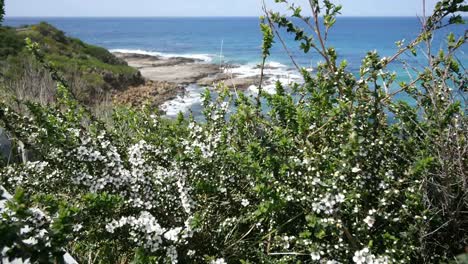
column 202, row 8
column 233, row 16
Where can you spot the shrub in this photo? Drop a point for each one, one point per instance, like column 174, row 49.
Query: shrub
column 48, row 31
column 335, row 171
column 103, row 55
column 11, row 44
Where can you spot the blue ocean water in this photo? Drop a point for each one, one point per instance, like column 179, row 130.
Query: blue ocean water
column 239, row 39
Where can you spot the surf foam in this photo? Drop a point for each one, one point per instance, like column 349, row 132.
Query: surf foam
column 273, row 72
column 203, row 57
column 183, row 102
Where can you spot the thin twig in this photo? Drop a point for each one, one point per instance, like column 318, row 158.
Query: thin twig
column 282, row 41
column 319, row 36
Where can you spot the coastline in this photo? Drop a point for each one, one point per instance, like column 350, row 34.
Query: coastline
column 175, row 81
column 186, row 71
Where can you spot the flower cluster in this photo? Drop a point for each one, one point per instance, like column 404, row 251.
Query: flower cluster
column 364, row 256
column 327, row 203
column 145, row 230
column 33, row 233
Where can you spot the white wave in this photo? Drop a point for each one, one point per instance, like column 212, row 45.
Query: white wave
column 183, row 102
column 274, row 64
column 267, row 87
column 271, row 69
column 251, row 70
column 273, row 72
column 192, row 96
column 203, row 57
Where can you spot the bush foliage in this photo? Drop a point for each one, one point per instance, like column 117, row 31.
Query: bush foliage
column 336, row 171
column 2, row 10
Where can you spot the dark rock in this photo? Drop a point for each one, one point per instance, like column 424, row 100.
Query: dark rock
column 5, row 144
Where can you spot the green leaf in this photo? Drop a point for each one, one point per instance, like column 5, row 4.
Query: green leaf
column 312, row 220
column 320, row 234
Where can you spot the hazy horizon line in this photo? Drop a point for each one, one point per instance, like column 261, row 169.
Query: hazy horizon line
column 341, row 16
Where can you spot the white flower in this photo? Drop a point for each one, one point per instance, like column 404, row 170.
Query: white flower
column 30, row 241
column 218, row 261
column 173, row 234
column 315, row 256
column 369, row 220
column 355, row 169
column 245, row 202
column 25, row 229
column 359, row 259
column 360, row 256
column 172, row 254
column 41, row 234
column 77, row 227
column 110, row 228
column 340, row 198
column 365, row 257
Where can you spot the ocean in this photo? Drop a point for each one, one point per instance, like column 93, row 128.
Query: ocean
column 237, row 40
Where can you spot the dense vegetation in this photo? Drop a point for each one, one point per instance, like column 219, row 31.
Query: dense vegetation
column 92, row 72
column 2, row 10
column 337, row 170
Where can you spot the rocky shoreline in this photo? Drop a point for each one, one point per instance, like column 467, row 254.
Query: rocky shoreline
column 185, row 71
column 167, row 78
column 151, row 93
column 174, row 84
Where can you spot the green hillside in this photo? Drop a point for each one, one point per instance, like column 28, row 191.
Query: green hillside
column 92, row 71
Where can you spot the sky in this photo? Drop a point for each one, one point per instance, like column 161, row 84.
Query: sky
column 184, row 8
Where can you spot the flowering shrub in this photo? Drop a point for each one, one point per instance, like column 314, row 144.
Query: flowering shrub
column 335, row 171
column 30, row 234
